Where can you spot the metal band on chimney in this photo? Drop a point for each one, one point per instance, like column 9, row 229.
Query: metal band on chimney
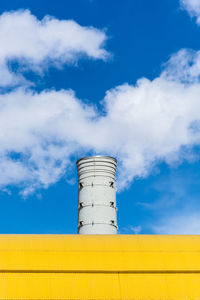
column 97, row 195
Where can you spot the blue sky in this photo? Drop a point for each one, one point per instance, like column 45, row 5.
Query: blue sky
column 119, row 78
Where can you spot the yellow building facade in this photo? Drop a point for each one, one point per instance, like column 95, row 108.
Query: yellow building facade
column 99, row 267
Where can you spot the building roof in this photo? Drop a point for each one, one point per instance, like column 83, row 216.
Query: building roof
column 99, row 267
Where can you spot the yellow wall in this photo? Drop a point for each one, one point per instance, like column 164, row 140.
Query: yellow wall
column 99, row 267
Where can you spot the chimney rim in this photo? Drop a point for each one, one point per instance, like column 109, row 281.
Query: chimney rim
column 96, row 156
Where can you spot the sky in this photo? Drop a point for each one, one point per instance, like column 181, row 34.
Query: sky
column 98, row 77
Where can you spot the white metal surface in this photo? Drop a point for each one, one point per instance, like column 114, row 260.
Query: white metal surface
column 97, row 195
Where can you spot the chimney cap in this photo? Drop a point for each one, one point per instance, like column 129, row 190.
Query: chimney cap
column 96, row 156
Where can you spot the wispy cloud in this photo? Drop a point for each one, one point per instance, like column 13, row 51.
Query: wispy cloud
column 171, row 191
column 130, row 230
column 176, row 207
column 192, row 7
column 188, row 223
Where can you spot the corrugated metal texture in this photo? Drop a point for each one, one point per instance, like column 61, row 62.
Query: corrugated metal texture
column 99, row 267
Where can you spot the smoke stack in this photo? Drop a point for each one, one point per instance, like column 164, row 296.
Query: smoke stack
column 97, row 195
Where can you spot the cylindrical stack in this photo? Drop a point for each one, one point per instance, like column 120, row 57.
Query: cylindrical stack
column 97, row 195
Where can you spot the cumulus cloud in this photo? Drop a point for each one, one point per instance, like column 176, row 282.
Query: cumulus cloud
column 142, row 124
column 180, row 224
column 35, row 44
column 41, row 132
column 192, row 7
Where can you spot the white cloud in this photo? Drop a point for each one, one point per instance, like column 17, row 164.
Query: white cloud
column 152, row 121
column 184, row 66
column 136, row 229
column 180, row 224
column 130, row 229
column 192, row 7
column 36, row 44
column 38, row 134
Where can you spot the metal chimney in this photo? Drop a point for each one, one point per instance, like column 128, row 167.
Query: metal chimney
column 97, row 195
